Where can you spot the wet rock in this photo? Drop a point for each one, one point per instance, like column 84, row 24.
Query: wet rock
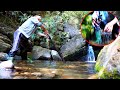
column 19, row 77
column 6, row 65
column 5, row 74
column 74, row 48
column 4, row 47
column 2, row 56
column 5, row 39
column 37, row 74
column 39, row 53
column 71, row 30
column 49, row 75
column 55, row 55
column 108, row 60
column 7, row 30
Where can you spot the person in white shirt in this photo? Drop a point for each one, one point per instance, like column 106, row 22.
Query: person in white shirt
column 23, row 33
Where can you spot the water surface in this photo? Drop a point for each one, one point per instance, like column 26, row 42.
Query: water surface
column 50, row 70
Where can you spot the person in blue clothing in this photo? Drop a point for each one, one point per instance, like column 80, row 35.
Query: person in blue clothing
column 22, row 35
column 105, row 21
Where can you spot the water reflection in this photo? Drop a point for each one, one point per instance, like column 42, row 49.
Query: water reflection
column 51, row 64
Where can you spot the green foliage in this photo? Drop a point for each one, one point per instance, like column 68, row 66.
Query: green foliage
column 86, row 27
column 110, row 75
column 23, row 17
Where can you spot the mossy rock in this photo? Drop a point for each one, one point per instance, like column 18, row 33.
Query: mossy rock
column 108, row 61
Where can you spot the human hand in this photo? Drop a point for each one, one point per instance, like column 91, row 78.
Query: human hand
column 108, row 27
column 46, row 34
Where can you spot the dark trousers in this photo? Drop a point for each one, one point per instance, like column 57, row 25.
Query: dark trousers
column 20, row 43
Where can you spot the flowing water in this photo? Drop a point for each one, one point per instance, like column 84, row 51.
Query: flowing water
column 50, row 70
column 90, row 54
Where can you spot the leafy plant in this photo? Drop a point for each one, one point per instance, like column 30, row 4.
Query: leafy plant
column 87, row 28
column 23, row 17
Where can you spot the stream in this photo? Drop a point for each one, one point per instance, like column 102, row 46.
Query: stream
column 44, row 69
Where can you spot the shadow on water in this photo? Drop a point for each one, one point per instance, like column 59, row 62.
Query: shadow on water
column 49, row 70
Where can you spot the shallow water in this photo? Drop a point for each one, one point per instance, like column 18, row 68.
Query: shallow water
column 50, row 70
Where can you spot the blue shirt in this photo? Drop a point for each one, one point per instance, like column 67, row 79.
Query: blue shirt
column 104, row 16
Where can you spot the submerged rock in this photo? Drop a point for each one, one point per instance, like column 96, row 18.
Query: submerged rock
column 49, row 75
column 36, row 74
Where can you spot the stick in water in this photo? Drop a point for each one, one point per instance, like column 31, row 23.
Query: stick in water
column 56, row 48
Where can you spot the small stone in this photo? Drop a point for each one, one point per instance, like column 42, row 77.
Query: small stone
column 18, row 77
column 49, row 75
column 37, row 74
column 26, row 73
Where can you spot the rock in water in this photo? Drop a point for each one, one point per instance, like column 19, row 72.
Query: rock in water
column 7, row 65
column 40, row 53
column 55, row 55
column 3, row 56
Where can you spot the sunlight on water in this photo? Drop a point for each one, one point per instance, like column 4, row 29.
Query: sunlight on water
column 49, row 69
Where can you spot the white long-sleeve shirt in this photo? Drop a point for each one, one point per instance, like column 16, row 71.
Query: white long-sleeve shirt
column 27, row 28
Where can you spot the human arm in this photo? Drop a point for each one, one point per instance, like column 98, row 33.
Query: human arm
column 109, row 26
column 44, row 33
column 38, row 23
column 45, row 30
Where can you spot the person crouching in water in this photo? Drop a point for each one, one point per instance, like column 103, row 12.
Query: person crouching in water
column 22, row 35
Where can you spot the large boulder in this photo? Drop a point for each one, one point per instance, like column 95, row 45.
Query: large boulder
column 4, row 47
column 71, row 30
column 75, row 48
column 6, row 37
column 39, row 53
column 108, row 61
column 6, row 30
